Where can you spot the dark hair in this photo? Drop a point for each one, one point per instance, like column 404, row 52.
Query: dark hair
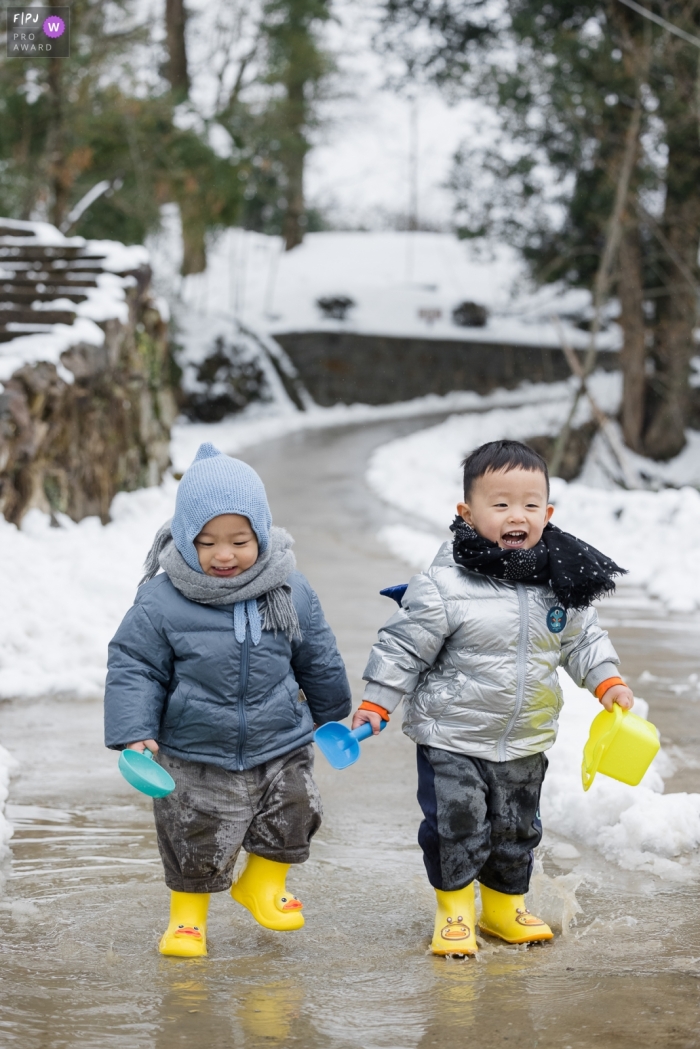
column 501, row 455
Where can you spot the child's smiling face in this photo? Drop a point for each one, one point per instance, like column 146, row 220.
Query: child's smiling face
column 509, row 507
column 226, row 546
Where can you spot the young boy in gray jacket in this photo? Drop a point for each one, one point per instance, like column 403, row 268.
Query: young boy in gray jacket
column 221, row 668
column 474, row 651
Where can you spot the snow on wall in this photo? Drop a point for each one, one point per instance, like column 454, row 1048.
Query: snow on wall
column 402, row 284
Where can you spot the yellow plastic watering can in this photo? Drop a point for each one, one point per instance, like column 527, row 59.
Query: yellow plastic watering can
column 621, row 745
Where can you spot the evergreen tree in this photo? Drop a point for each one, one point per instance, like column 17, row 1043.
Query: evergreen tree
column 68, row 124
column 566, row 81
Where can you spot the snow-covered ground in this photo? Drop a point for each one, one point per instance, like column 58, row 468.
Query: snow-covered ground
column 638, row 828
column 401, row 284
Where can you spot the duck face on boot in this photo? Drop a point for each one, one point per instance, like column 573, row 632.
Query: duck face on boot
column 186, row 935
column 508, row 918
column 287, row 903
column 260, row 887
column 454, row 931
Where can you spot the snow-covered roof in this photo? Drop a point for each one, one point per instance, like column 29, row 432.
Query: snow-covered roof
column 55, row 291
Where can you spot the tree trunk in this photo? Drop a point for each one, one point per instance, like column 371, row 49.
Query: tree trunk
column 176, row 67
column 632, row 357
column 668, row 401
column 56, row 148
column 296, row 148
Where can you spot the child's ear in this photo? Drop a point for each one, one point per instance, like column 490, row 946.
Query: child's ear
column 464, row 511
column 549, row 512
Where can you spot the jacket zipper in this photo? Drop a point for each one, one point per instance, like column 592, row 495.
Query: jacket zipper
column 242, row 724
column 521, row 666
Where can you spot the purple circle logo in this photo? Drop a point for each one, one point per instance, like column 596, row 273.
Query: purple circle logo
column 54, row 26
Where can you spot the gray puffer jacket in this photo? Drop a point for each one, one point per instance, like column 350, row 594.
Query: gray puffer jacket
column 477, row 661
column 178, row 675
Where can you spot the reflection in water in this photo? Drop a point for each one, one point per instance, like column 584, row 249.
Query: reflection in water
column 455, row 993
column 268, row 1011
column 185, row 1012
column 204, row 1008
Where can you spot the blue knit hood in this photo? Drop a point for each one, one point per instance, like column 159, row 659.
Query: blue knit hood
column 217, row 484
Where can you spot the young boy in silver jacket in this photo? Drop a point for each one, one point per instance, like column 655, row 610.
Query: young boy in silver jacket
column 474, row 651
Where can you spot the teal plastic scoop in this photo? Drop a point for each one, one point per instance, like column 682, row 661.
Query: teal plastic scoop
column 142, row 772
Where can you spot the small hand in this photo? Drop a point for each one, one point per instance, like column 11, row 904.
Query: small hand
column 144, row 744
column 362, row 716
column 620, row 694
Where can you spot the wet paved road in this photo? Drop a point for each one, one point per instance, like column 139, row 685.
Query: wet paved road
column 85, row 902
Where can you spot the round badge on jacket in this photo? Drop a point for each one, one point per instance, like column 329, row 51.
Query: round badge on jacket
column 556, row 619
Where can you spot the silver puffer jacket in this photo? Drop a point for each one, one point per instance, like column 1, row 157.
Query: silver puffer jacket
column 477, row 663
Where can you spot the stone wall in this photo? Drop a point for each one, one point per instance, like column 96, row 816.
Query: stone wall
column 349, row 368
column 69, row 447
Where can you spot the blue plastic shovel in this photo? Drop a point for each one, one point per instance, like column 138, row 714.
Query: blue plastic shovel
column 339, row 745
column 141, row 771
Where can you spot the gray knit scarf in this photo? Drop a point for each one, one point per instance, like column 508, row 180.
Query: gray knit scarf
column 266, row 580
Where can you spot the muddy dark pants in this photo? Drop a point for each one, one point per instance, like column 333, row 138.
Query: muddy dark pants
column 481, row 819
column 272, row 810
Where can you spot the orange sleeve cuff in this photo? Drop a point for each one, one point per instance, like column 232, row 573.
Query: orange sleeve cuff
column 375, row 708
column 605, row 685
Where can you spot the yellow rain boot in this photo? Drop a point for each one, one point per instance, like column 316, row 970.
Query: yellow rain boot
column 508, row 918
column 260, row 887
column 186, row 935
column 455, row 922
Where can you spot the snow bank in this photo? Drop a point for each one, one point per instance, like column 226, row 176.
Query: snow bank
column 7, row 764
column 649, row 533
column 266, row 422
column 639, row 828
column 66, row 589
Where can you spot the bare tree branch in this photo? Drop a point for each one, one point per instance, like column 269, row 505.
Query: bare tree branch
column 616, row 447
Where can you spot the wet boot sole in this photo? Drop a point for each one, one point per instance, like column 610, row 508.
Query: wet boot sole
column 525, row 939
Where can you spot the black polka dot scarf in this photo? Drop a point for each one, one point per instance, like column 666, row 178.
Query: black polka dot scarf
column 577, row 573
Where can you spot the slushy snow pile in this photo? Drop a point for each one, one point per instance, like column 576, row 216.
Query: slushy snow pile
column 639, row 828
column 650, row 533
